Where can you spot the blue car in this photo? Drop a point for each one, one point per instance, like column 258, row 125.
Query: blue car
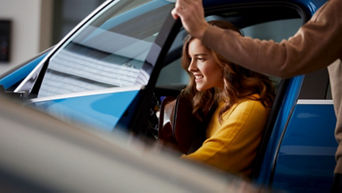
column 112, row 71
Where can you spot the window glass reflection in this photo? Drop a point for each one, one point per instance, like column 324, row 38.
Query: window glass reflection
column 111, row 51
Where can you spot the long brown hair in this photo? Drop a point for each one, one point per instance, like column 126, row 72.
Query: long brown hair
column 239, row 83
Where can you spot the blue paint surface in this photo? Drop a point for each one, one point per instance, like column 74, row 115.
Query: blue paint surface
column 285, row 111
column 306, row 157
column 101, row 111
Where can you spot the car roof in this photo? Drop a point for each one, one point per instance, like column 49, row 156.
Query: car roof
column 311, row 5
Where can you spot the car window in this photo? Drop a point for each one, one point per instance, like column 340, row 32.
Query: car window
column 109, row 51
column 274, row 30
column 174, row 75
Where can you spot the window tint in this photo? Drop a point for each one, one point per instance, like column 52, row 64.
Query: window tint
column 110, row 51
column 274, row 30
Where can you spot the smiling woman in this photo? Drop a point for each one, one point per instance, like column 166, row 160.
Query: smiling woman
column 206, row 72
column 242, row 97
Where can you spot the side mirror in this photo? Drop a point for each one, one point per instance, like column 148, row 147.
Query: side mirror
column 16, row 95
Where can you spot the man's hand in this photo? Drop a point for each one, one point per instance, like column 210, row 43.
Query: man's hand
column 191, row 14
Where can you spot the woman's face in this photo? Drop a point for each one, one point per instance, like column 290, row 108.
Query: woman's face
column 206, row 71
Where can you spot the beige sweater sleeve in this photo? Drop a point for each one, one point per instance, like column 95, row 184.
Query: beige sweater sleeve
column 317, row 44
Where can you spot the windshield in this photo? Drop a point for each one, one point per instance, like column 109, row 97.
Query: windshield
column 109, row 51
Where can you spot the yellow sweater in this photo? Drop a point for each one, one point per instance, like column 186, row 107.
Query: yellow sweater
column 231, row 145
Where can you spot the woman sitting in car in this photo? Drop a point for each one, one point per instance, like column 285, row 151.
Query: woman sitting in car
column 243, row 99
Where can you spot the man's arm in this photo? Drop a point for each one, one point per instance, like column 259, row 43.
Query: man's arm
column 317, row 44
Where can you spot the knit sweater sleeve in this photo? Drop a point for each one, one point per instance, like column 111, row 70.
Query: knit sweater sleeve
column 316, row 44
column 232, row 146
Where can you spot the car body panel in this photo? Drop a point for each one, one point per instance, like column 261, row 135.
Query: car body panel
column 270, row 159
column 307, row 151
column 102, row 110
column 310, row 5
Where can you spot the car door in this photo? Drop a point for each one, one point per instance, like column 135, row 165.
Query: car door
column 103, row 67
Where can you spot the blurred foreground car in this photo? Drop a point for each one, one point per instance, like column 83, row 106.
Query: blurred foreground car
column 42, row 154
column 114, row 68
